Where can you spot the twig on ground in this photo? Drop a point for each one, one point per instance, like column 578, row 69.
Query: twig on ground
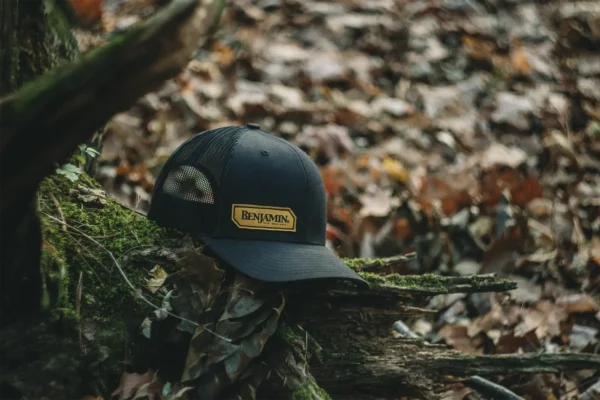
column 527, row 363
column 475, row 382
column 60, row 212
column 78, row 294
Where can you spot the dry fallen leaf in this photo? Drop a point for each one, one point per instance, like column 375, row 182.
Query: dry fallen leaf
column 130, row 383
column 458, row 338
column 158, row 278
column 518, row 58
column 579, row 303
column 378, row 203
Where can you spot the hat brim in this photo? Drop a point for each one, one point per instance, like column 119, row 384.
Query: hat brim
column 281, row 261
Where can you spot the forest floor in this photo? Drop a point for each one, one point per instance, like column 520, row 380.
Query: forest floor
column 465, row 131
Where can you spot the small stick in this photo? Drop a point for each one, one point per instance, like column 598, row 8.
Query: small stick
column 78, row 293
column 137, row 292
column 389, row 261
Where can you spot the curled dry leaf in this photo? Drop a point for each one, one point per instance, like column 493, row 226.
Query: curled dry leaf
column 158, row 278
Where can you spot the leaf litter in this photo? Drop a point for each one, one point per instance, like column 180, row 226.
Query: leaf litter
column 466, row 131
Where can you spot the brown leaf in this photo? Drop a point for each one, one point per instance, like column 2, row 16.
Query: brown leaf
column 503, row 251
column 545, row 319
column 523, row 189
column 204, row 271
column 378, row 203
column 130, row 383
column 579, row 303
column 87, row 11
column 511, row 343
column 519, row 61
column 457, row 337
column 454, row 190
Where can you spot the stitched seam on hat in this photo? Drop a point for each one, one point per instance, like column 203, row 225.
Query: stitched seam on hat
column 305, row 180
column 306, row 225
column 223, row 173
column 158, row 189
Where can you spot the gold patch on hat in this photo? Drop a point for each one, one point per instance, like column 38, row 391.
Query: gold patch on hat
column 264, row 218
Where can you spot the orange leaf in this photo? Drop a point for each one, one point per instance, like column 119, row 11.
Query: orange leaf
column 87, row 11
column 402, row 229
column 518, row 59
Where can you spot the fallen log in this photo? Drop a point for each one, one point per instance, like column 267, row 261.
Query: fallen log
column 213, row 332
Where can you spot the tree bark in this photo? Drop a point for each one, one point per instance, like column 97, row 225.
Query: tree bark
column 43, row 121
column 35, row 38
column 333, row 342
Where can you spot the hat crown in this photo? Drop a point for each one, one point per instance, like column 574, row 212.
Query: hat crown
column 241, row 183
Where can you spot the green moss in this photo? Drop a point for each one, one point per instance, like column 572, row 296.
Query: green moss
column 429, row 281
column 59, row 29
column 432, row 282
column 358, row 264
column 55, row 280
column 287, row 334
column 308, row 390
column 69, row 254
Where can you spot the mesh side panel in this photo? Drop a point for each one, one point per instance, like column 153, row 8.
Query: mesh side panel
column 211, row 150
column 186, row 194
column 188, row 183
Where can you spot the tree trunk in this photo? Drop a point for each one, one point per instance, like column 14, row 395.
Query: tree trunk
column 35, row 38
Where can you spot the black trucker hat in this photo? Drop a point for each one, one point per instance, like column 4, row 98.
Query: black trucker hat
column 256, row 200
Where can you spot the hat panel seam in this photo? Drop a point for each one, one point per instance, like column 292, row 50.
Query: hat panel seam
column 222, row 180
column 307, row 194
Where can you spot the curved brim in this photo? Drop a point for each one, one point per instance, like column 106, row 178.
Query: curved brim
column 281, row 261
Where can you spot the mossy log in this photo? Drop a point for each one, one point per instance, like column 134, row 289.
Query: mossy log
column 34, row 38
column 336, row 342
column 56, row 101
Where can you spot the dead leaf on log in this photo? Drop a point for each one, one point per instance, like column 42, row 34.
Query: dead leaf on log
column 158, row 278
column 248, row 320
column 458, row 338
column 132, row 382
column 204, row 272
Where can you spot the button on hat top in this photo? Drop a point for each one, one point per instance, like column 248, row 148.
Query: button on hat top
column 264, row 216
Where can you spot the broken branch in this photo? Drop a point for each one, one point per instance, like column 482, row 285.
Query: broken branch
column 62, row 108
